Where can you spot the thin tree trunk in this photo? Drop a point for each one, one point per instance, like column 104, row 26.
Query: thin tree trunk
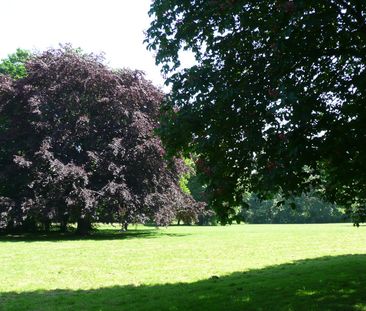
column 63, row 223
column 47, row 225
column 124, row 226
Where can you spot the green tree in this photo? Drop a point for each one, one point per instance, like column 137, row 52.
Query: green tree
column 276, row 100
column 13, row 65
column 307, row 208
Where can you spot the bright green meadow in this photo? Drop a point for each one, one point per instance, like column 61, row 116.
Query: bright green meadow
column 238, row 267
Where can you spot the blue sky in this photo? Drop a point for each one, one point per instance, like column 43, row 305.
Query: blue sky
column 111, row 26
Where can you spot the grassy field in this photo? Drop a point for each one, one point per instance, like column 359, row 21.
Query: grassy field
column 239, row 267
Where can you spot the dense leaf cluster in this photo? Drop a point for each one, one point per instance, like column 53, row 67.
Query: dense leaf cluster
column 276, row 99
column 77, row 145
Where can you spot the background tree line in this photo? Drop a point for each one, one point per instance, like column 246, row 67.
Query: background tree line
column 306, row 208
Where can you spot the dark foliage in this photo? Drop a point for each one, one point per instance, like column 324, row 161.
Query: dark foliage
column 276, row 101
column 78, row 146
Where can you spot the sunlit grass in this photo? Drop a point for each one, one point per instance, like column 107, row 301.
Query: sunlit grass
column 187, row 266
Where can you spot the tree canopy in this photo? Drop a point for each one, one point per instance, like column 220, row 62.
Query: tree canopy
column 13, row 65
column 276, row 99
column 77, row 145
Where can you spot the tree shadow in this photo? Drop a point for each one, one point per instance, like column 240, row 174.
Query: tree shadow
column 101, row 234
column 326, row 283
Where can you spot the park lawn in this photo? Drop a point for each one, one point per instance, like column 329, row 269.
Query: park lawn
column 238, row 267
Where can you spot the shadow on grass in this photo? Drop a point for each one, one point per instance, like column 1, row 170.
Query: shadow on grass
column 102, row 234
column 327, row 283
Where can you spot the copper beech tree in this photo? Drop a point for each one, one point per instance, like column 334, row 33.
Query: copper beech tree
column 78, row 145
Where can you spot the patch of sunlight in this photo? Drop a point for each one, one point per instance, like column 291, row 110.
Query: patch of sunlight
column 347, row 291
column 360, row 307
column 327, row 297
column 246, row 299
column 306, row 292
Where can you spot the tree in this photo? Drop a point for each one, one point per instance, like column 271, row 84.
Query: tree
column 79, row 146
column 13, row 65
column 307, row 208
column 190, row 184
column 276, row 99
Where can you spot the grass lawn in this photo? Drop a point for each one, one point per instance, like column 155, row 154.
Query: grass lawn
column 239, row 267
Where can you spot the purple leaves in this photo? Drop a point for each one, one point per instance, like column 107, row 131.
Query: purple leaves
column 80, row 144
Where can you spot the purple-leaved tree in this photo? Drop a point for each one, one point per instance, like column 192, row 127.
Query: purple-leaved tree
column 78, row 145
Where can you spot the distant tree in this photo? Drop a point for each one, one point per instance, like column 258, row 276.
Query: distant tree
column 79, row 146
column 276, row 99
column 13, row 65
column 307, row 208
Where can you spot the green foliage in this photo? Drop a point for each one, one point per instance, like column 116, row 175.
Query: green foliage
column 197, row 188
column 357, row 213
column 246, row 267
column 307, row 208
column 186, row 176
column 276, row 100
column 191, row 182
column 13, row 65
column 191, row 185
column 183, row 184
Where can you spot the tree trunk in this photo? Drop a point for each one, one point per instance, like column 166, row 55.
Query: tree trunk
column 29, row 225
column 47, row 225
column 84, row 226
column 63, row 223
column 124, row 226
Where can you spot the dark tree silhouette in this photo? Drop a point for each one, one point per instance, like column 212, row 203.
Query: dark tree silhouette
column 276, row 99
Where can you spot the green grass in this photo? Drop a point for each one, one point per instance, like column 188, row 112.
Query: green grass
column 240, row 267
